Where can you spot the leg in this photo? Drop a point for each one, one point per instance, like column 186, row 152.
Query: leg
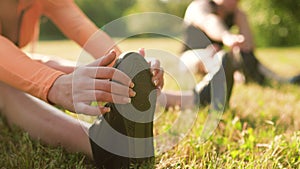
column 184, row 100
column 194, row 61
column 202, row 95
column 43, row 121
column 256, row 71
column 227, row 70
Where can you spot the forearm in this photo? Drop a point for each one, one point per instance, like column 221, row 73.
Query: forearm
column 19, row 71
column 215, row 28
column 59, row 64
column 244, row 29
column 63, row 68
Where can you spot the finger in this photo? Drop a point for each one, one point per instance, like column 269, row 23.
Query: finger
column 89, row 96
column 105, row 60
column 154, row 67
column 158, row 80
column 211, row 50
column 104, row 109
column 142, row 51
column 240, row 38
column 102, row 96
column 109, row 73
column 113, row 87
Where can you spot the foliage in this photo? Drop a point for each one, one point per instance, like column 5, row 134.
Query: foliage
column 275, row 23
column 100, row 12
column 174, row 7
column 164, row 24
column 18, row 150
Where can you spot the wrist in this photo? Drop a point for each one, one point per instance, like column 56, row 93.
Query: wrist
column 54, row 90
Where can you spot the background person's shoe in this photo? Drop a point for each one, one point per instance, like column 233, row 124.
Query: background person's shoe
column 123, row 138
column 295, row 80
column 250, row 68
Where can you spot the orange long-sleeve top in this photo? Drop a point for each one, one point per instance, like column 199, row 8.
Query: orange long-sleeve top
column 35, row 78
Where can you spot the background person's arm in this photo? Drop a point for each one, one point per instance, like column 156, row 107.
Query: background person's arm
column 244, row 29
column 199, row 14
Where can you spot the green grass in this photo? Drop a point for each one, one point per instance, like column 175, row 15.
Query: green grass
column 259, row 130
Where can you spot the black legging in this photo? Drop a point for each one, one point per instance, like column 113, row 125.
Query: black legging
column 250, row 68
column 204, row 96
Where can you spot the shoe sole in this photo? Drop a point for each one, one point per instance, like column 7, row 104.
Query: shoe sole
column 133, row 121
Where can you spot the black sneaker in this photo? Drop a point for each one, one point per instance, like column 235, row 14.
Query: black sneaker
column 250, row 68
column 221, row 93
column 123, row 138
column 295, row 80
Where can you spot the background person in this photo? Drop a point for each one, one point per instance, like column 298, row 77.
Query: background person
column 214, row 19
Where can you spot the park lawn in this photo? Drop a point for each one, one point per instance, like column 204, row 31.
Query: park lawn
column 259, row 130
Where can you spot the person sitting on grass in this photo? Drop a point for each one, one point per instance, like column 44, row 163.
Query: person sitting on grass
column 213, row 19
column 30, row 88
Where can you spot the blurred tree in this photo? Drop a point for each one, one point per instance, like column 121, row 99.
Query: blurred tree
column 100, row 12
column 274, row 23
column 174, row 7
column 162, row 24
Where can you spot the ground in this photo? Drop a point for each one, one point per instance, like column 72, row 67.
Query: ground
column 259, row 130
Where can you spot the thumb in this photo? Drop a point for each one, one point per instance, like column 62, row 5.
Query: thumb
column 106, row 60
column 240, row 38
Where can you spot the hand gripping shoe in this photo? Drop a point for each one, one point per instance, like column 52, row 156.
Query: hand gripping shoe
column 123, row 138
